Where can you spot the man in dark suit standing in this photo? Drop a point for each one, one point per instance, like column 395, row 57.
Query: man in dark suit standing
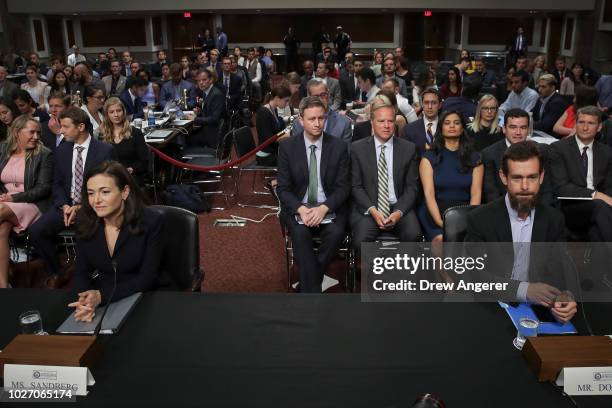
column 349, row 86
column 313, row 186
column 209, row 110
column 422, row 131
column 516, row 130
column 229, row 84
column 308, row 68
column 132, row 98
column 539, row 275
column 383, row 199
column 73, row 158
column 549, row 107
column 156, row 68
column 518, row 47
column 582, row 167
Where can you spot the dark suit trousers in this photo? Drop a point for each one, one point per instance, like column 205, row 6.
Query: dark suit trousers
column 365, row 229
column 592, row 217
column 43, row 235
column 312, row 265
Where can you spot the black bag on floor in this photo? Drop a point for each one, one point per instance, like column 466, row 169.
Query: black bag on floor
column 186, row 196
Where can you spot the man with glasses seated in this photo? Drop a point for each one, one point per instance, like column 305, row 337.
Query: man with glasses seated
column 422, row 131
column 313, row 187
column 335, row 124
column 515, row 129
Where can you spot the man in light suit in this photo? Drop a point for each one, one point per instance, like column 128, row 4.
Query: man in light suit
column 313, row 182
column 335, row 95
column 7, row 88
column 422, row 131
column 336, row 125
column 115, row 82
column 174, row 89
column 384, row 180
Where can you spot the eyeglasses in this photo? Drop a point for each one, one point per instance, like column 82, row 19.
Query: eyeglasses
column 489, row 108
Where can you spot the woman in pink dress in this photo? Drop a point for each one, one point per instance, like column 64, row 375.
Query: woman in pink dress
column 26, row 175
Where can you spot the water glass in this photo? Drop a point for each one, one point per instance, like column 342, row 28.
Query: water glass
column 527, row 328
column 31, row 322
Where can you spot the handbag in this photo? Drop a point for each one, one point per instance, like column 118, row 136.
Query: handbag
column 187, row 196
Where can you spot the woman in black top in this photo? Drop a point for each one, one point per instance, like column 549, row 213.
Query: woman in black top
column 130, row 147
column 27, row 106
column 268, row 123
column 116, row 233
column 485, row 130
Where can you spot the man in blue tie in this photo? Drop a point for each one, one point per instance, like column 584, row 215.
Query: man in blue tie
column 422, row 131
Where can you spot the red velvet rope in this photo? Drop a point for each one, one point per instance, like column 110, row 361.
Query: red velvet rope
column 227, row 165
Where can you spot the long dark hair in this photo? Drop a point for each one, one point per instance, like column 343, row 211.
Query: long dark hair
column 457, row 76
column 14, row 111
column 88, row 221
column 468, row 156
column 583, row 78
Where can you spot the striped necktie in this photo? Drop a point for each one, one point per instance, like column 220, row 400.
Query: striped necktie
column 78, row 176
column 383, row 184
column 313, row 183
column 428, row 133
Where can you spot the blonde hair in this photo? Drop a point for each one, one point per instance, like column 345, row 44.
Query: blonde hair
column 12, row 140
column 380, row 101
column 549, row 78
column 106, row 128
column 475, row 125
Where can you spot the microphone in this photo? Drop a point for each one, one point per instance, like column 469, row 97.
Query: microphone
column 428, row 401
column 110, row 298
column 579, row 290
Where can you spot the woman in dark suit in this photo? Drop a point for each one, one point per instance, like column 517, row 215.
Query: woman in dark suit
column 268, row 123
column 26, row 175
column 131, row 149
column 116, row 233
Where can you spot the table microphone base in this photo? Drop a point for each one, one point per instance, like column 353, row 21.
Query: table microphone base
column 74, row 351
column 547, row 356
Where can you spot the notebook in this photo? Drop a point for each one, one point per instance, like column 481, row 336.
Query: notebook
column 115, row 317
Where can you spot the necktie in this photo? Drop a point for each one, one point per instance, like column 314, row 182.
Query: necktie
column 383, row 184
column 364, row 96
column 227, row 85
column 542, row 109
column 585, row 161
column 313, row 184
column 78, row 176
column 428, row 133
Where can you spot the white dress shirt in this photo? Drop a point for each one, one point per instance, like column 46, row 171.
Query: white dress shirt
column 94, row 123
column 434, row 125
column 321, row 198
column 85, row 145
column 404, row 106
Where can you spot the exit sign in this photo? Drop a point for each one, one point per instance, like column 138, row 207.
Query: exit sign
column 187, row 14
column 427, row 13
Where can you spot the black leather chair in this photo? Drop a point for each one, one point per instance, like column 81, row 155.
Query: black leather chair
column 181, row 254
column 455, row 222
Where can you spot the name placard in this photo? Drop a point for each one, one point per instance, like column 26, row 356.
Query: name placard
column 41, row 377
column 586, row 380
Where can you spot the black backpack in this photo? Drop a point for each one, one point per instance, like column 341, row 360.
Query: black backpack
column 187, row 196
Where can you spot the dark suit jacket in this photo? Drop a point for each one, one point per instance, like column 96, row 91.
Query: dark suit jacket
column 415, row 132
column 218, row 67
column 293, row 173
column 209, row 118
column 552, row 112
column 566, row 169
column 546, row 263
column 348, row 90
column 493, row 186
column 38, row 177
column 156, row 69
column 132, row 108
column 62, row 178
column 137, row 256
column 365, row 177
column 463, row 105
column 47, row 137
column 566, row 73
column 234, row 88
column 10, row 89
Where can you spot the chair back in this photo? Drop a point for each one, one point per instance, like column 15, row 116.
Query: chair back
column 180, row 268
column 243, row 138
column 455, row 222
